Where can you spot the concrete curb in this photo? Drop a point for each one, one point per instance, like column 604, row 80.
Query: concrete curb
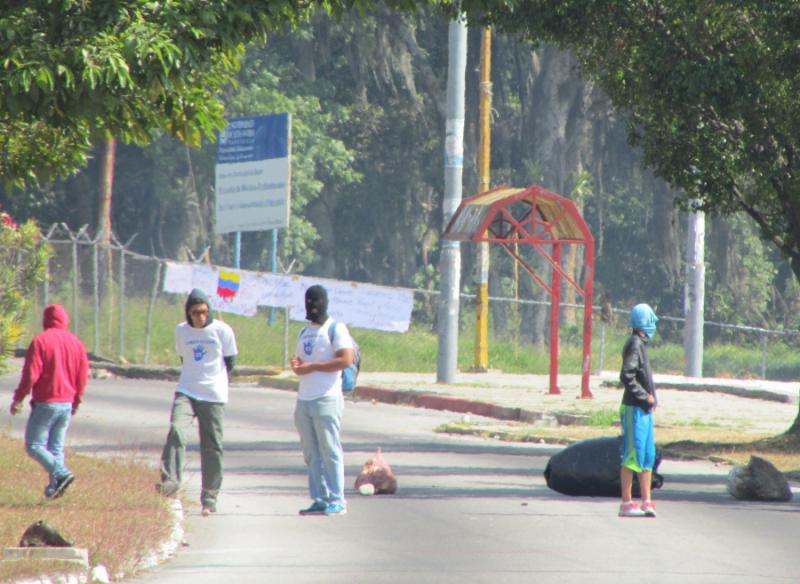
column 463, row 406
column 271, row 378
column 777, row 391
column 173, row 373
column 79, row 556
column 761, row 394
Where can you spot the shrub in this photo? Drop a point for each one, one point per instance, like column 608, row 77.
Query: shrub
column 23, row 266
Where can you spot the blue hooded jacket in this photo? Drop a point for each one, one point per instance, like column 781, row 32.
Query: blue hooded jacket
column 644, row 319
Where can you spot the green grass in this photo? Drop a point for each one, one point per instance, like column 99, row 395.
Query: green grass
column 414, row 351
column 604, row 418
column 112, row 510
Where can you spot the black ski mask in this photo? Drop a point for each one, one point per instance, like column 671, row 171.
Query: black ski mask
column 317, row 304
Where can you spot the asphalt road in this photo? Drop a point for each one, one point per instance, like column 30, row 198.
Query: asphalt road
column 467, row 510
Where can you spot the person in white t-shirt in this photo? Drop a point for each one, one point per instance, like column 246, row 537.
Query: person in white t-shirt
column 319, row 361
column 207, row 348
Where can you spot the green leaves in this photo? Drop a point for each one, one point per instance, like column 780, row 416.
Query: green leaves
column 128, row 67
column 23, row 264
column 709, row 87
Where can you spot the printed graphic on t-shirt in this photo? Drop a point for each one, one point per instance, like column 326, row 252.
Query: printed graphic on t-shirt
column 308, row 346
column 201, row 348
column 199, row 352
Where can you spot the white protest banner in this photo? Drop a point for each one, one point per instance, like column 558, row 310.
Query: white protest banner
column 228, row 290
column 281, row 291
column 178, row 278
column 369, row 306
column 252, row 173
column 240, row 291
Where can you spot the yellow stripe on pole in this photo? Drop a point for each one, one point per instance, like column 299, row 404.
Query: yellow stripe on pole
column 481, row 362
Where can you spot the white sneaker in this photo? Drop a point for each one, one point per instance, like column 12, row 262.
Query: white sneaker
column 649, row 508
column 630, row 509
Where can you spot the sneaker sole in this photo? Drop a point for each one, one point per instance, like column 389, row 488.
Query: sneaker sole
column 305, row 513
column 62, row 487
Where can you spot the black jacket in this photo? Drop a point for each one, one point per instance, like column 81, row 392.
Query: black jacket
column 636, row 375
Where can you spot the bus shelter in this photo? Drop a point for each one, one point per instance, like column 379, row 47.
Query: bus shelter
column 547, row 222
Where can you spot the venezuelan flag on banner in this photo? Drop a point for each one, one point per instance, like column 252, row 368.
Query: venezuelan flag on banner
column 228, row 285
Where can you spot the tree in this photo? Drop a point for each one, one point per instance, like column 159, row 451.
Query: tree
column 710, row 89
column 126, row 67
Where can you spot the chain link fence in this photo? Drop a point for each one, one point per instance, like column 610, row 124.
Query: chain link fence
column 117, row 306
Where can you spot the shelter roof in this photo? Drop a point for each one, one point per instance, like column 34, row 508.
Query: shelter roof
column 506, row 214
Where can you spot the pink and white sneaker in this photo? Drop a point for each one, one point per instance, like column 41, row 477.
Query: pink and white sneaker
column 649, row 508
column 630, row 509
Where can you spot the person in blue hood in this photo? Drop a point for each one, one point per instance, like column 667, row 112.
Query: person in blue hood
column 638, row 450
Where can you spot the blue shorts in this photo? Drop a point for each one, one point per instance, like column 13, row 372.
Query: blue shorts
column 638, row 448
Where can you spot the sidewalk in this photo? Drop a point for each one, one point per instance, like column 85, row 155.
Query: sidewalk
column 750, row 406
column 745, row 405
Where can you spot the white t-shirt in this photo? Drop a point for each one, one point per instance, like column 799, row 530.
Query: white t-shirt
column 203, row 373
column 314, row 344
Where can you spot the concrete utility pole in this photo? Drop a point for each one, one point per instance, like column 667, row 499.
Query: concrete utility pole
column 694, row 302
column 481, row 363
column 450, row 260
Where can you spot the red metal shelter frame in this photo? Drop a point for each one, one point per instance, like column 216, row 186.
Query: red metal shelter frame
column 549, row 221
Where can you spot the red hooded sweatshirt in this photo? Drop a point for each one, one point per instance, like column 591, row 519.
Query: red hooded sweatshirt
column 56, row 365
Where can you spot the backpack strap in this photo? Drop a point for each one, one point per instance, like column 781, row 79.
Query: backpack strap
column 332, row 332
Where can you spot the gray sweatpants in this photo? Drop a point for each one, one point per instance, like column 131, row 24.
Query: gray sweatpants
column 209, row 420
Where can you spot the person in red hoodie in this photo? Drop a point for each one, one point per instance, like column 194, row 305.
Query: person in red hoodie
column 56, row 370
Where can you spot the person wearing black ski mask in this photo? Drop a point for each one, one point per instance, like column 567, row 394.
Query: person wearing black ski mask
column 324, row 348
column 317, row 304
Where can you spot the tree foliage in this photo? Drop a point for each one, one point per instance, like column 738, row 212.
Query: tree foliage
column 367, row 93
column 23, row 266
column 710, row 89
column 73, row 68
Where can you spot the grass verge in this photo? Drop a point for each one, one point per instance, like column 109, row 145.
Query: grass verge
column 677, row 442
column 112, row 510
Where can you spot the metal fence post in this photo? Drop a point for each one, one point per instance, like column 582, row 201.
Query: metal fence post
column 601, row 348
column 96, row 293
column 764, row 355
column 46, row 285
column 123, row 249
column 149, row 323
column 75, row 284
column 122, row 302
column 286, row 337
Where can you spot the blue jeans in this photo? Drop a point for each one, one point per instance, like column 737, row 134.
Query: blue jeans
column 45, row 434
column 319, row 422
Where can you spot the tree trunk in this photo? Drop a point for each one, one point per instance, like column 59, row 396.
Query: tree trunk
column 104, row 227
column 794, row 429
column 106, row 189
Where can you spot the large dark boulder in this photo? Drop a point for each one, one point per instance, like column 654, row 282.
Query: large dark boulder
column 590, row 468
column 759, row 480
